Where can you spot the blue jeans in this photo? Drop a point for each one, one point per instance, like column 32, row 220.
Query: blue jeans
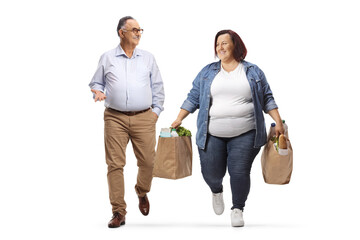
column 238, row 154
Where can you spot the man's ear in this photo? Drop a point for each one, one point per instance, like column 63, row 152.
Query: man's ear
column 121, row 33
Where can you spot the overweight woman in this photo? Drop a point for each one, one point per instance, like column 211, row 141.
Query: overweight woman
column 231, row 96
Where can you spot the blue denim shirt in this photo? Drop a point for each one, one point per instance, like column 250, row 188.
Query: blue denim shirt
column 199, row 98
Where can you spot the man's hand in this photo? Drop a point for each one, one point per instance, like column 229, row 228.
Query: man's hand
column 98, row 95
column 155, row 116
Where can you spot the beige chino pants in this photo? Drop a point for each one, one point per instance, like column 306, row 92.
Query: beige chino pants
column 119, row 129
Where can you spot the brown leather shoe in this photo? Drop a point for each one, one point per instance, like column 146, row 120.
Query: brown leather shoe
column 117, row 220
column 144, row 205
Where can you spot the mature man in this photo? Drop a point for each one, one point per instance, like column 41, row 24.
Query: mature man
column 129, row 81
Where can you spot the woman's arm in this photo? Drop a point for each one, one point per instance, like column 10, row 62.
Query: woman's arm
column 182, row 114
column 191, row 103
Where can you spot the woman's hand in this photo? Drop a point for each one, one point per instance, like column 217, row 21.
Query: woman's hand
column 176, row 123
column 182, row 114
column 279, row 129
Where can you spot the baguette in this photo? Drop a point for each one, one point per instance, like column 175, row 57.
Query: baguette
column 282, row 142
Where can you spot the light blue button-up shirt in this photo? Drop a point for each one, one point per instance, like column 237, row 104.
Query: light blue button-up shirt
column 130, row 84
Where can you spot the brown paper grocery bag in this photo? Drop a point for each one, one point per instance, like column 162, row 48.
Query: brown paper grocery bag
column 173, row 159
column 276, row 168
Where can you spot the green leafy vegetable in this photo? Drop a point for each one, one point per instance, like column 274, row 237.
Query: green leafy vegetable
column 181, row 131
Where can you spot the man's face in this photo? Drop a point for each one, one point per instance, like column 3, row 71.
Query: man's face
column 128, row 35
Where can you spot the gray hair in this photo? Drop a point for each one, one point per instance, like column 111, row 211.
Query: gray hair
column 122, row 23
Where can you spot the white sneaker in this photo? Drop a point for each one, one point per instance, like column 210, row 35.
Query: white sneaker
column 237, row 219
column 218, row 203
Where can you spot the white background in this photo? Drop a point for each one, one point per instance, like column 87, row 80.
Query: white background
column 53, row 171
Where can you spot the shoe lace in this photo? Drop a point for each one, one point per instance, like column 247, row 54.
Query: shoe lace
column 143, row 200
column 115, row 215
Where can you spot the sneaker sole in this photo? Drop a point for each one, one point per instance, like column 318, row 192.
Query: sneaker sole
column 219, row 213
column 237, row 224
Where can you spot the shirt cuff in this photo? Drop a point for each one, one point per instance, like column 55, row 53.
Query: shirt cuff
column 188, row 106
column 157, row 111
column 270, row 107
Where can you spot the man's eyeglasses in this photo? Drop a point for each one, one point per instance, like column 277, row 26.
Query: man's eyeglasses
column 135, row 30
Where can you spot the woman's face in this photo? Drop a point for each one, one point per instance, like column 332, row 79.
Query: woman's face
column 224, row 47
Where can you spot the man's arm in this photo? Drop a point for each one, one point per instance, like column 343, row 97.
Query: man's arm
column 157, row 87
column 97, row 84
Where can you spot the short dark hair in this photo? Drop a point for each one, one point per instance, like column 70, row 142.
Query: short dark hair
column 239, row 46
column 122, row 22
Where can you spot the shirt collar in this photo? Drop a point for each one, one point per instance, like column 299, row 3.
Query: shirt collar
column 246, row 65
column 121, row 52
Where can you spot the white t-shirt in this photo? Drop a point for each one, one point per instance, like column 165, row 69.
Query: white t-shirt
column 232, row 110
